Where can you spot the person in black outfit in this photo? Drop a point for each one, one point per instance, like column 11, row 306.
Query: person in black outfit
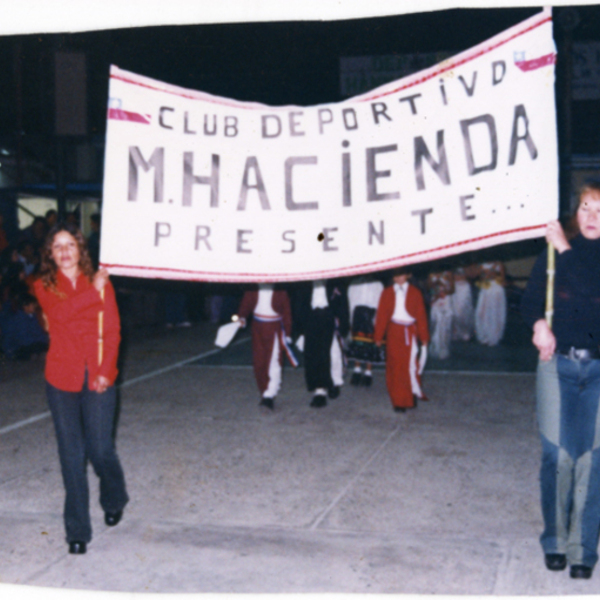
column 568, row 390
column 323, row 321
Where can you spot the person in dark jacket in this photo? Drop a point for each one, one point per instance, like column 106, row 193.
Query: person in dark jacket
column 568, row 389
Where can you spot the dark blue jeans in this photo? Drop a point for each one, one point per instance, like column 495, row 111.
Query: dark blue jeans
column 83, row 422
column 569, row 417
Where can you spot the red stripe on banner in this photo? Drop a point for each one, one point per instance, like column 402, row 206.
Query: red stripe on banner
column 448, row 66
column 536, row 63
column 125, row 115
column 478, row 243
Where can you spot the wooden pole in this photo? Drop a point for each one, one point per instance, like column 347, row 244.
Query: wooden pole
column 101, row 331
column 550, row 285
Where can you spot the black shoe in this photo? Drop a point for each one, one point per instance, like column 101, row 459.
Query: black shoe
column 77, row 548
column 333, row 392
column 367, row 380
column 399, row 409
column 113, row 518
column 580, row 572
column 355, row 379
column 555, row 562
column 319, row 401
column 268, row 403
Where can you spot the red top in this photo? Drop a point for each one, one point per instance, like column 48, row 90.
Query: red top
column 280, row 303
column 72, row 315
column 415, row 307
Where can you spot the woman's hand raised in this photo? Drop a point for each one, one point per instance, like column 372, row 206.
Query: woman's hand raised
column 100, row 279
column 555, row 235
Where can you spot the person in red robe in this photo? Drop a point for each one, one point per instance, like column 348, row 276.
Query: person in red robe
column 402, row 320
column 271, row 331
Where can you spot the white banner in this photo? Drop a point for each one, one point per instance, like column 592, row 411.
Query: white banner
column 458, row 157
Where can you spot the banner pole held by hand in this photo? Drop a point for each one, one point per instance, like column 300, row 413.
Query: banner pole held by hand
column 550, row 270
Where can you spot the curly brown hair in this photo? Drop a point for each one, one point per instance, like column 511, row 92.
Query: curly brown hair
column 48, row 268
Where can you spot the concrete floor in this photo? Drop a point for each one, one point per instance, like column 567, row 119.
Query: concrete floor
column 352, row 498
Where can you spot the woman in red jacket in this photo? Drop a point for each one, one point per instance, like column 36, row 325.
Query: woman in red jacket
column 81, row 367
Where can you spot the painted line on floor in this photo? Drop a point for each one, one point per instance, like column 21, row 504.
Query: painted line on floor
column 24, row 422
column 176, row 365
column 337, row 499
column 179, row 364
column 187, row 361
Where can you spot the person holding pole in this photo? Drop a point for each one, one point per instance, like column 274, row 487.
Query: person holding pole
column 567, row 334
column 81, row 312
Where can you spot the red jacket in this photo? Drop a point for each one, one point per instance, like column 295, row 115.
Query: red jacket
column 72, row 315
column 415, row 307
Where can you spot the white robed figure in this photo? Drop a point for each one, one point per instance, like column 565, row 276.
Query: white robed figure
column 441, row 287
column 463, row 309
column 490, row 313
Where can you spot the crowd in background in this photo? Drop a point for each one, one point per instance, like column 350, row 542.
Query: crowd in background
column 464, row 301
column 22, row 329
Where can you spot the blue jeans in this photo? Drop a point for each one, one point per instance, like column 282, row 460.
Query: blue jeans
column 568, row 399
column 83, row 422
